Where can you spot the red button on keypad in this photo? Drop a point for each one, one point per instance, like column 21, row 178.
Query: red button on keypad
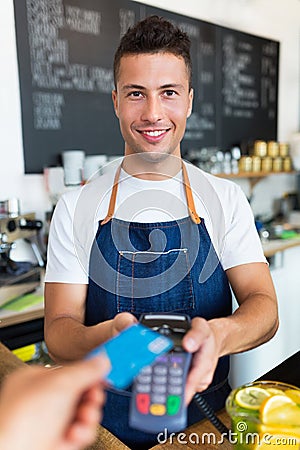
column 143, row 403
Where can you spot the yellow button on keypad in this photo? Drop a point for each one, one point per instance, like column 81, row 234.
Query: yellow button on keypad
column 157, row 410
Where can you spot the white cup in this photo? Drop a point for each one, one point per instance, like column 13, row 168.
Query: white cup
column 14, row 207
column 92, row 165
column 73, row 161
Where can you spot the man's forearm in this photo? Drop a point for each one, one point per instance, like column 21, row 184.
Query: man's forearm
column 252, row 324
column 68, row 339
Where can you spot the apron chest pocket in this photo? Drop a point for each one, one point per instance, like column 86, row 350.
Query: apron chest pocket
column 154, row 281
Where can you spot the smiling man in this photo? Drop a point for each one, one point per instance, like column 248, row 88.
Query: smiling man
column 157, row 235
column 153, row 115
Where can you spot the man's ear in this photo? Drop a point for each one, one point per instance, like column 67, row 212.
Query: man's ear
column 114, row 96
column 190, row 108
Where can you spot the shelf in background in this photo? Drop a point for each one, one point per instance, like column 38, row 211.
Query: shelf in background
column 252, row 174
column 253, row 177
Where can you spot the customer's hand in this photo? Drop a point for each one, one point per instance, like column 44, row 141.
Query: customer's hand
column 47, row 409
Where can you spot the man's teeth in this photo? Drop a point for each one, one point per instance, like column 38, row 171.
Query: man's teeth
column 154, row 133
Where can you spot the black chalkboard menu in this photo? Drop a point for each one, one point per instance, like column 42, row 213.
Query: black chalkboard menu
column 65, row 55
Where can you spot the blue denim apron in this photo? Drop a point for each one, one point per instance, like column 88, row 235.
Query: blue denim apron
column 156, row 267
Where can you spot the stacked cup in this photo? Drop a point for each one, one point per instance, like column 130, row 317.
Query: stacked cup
column 73, row 161
column 93, row 165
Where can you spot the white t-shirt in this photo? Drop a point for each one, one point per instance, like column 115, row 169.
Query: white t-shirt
column 221, row 203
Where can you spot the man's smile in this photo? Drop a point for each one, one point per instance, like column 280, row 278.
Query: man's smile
column 153, row 135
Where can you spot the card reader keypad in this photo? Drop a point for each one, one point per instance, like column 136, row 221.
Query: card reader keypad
column 159, row 388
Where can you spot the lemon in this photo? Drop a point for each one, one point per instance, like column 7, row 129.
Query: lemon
column 288, row 414
column 274, row 391
column 251, row 397
column 275, row 401
column 279, row 410
column 293, row 394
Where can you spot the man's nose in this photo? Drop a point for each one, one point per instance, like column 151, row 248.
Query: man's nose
column 152, row 111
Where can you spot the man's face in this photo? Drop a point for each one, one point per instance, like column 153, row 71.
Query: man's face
column 153, row 102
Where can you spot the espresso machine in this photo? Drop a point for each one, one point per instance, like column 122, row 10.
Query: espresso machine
column 20, row 277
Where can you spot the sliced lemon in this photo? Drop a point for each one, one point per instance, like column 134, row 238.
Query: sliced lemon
column 288, row 414
column 279, row 410
column 251, row 397
column 275, row 391
column 293, row 394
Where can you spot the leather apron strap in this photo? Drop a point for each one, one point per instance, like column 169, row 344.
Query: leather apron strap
column 188, row 192
column 189, row 196
column 113, row 197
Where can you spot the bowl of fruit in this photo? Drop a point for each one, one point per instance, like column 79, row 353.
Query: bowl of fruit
column 264, row 415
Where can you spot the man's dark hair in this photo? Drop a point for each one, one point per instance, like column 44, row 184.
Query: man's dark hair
column 154, row 35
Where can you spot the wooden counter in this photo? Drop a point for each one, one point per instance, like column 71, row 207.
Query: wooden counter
column 274, row 246
column 21, row 322
column 8, row 318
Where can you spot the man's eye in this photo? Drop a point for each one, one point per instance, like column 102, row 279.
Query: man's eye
column 135, row 94
column 170, row 93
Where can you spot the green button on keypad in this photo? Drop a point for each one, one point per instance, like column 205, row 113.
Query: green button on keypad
column 173, row 404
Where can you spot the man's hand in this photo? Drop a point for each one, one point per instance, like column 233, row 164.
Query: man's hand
column 201, row 341
column 122, row 321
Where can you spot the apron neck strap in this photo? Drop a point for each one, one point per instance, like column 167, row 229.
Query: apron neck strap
column 113, row 197
column 189, row 196
column 188, row 192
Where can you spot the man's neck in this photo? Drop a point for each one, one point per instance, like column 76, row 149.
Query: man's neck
column 143, row 167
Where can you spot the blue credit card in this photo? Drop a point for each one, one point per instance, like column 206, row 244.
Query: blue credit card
column 130, row 351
